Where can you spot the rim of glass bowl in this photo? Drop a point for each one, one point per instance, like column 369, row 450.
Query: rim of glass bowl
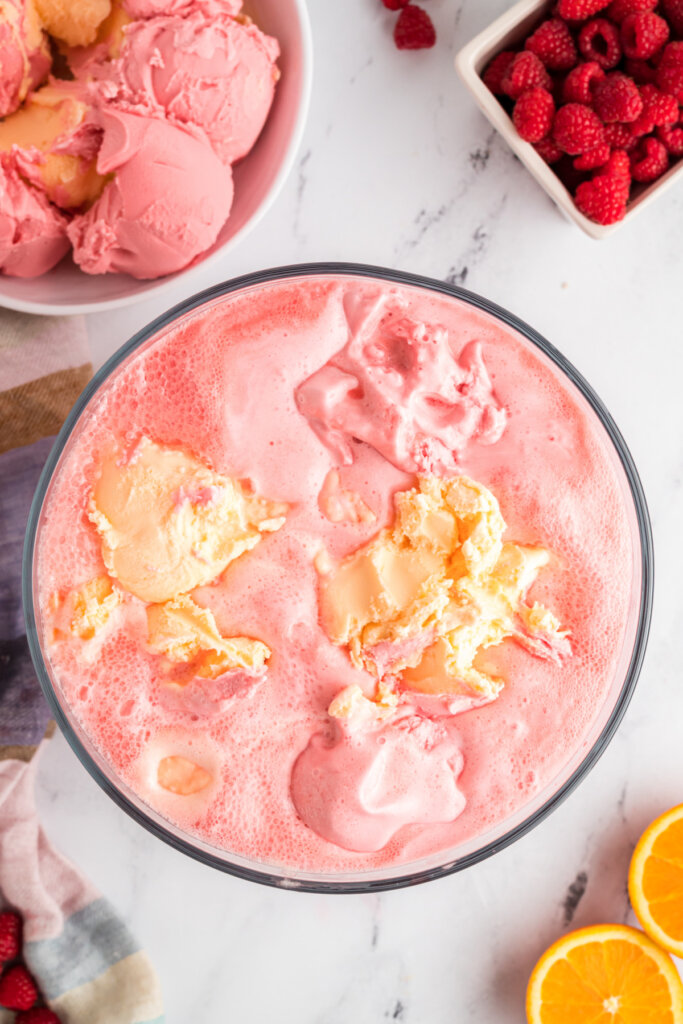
column 264, row 874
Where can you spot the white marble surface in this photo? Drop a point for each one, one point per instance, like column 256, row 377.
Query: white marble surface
column 398, row 168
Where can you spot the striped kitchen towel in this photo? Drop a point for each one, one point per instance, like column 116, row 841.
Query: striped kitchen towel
column 88, row 966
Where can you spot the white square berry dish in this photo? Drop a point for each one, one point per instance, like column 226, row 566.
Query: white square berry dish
column 507, row 32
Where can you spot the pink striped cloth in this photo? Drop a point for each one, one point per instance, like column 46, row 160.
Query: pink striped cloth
column 88, row 965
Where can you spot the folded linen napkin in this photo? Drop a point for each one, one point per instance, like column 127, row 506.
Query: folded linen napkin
column 88, row 966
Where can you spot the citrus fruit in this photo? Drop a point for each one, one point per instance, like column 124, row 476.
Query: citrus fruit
column 607, row 974
column 655, row 880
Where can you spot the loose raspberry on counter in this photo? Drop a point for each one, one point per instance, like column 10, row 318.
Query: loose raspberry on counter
column 554, row 45
column 579, row 84
column 579, row 10
column 597, row 157
column 496, row 71
column 617, row 98
column 603, row 198
column 414, row 29
column 394, row 5
column 673, row 12
column 649, row 160
column 672, row 137
column 40, row 1015
column 643, row 35
column 525, row 72
column 533, row 114
column 577, row 128
column 670, row 71
column 618, row 9
column 599, row 41
column 17, row 989
column 641, row 71
column 547, row 149
column 659, row 109
column 10, row 936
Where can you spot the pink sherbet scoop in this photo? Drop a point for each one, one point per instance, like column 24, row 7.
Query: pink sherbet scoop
column 210, row 70
column 169, row 197
column 24, row 53
column 32, row 231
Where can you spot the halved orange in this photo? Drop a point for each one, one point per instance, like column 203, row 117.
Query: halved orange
column 608, row 974
column 655, row 880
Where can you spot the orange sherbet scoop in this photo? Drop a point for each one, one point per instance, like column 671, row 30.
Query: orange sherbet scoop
column 56, row 151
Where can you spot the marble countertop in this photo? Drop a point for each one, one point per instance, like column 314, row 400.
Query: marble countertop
column 398, row 168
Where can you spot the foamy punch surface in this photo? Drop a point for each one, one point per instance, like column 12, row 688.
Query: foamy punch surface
column 260, row 390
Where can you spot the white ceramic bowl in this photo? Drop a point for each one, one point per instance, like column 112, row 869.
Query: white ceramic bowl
column 258, row 179
column 506, row 33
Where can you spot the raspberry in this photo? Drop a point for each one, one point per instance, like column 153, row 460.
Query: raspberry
column 617, row 99
column 547, row 149
column 599, row 41
column 670, row 71
column 17, row 989
column 577, row 128
column 658, row 109
column 579, row 10
column 640, row 71
column 533, row 114
column 673, row 12
column 672, row 139
column 597, row 157
column 41, row 1015
column 579, row 83
column 414, row 29
column 496, row 71
column 619, row 136
column 643, row 35
column 553, row 44
column 525, row 72
column 604, row 197
column 618, row 9
column 619, row 166
column 394, row 5
column 601, row 199
column 10, row 936
column 649, row 160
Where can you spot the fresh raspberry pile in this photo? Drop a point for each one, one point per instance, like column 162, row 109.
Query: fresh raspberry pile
column 414, row 29
column 18, row 990
column 597, row 89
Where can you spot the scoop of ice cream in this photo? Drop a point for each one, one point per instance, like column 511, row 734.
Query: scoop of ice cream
column 105, row 46
column 12, row 61
column 188, row 634
column 85, row 611
column 426, row 595
column 397, row 386
column 181, row 776
column 216, row 72
column 24, row 53
column 32, row 231
column 374, row 772
column 52, row 145
column 178, row 771
column 152, row 8
column 74, row 23
column 169, row 524
column 169, row 198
